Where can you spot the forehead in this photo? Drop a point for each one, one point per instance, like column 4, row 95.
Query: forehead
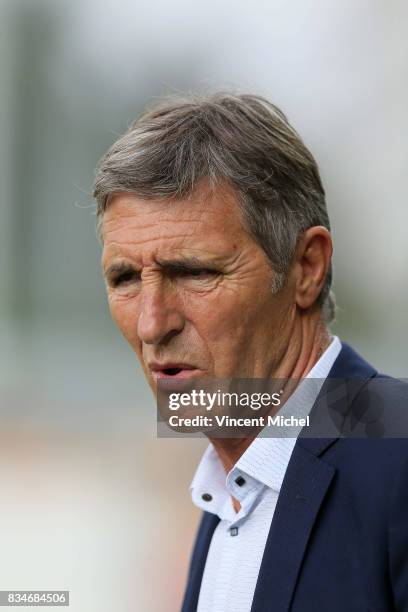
column 208, row 220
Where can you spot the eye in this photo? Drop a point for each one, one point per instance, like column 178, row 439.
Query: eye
column 125, row 278
column 196, row 273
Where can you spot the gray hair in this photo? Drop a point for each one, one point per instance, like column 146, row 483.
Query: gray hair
column 242, row 140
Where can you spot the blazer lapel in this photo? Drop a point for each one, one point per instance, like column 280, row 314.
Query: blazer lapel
column 305, row 485
column 198, row 559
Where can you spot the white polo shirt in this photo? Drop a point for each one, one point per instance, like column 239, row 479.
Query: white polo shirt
column 238, row 543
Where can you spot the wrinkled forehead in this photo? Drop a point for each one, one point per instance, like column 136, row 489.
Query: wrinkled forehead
column 206, row 220
column 221, row 199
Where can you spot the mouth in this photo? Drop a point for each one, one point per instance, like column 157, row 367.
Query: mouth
column 173, row 371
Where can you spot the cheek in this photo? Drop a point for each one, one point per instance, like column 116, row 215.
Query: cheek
column 125, row 314
column 236, row 322
column 221, row 321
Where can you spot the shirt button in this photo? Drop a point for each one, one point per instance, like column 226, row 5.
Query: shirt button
column 240, row 481
column 233, row 531
column 206, row 497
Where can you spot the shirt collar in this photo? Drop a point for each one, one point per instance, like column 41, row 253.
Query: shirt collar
column 264, row 462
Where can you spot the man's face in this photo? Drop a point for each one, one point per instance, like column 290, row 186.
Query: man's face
column 190, row 289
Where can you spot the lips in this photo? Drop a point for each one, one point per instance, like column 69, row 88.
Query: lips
column 173, row 371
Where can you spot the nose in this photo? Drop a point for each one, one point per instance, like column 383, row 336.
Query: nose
column 160, row 317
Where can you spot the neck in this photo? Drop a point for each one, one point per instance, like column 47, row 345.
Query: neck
column 309, row 340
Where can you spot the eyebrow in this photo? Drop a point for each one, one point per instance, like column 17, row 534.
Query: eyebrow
column 118, row 268
column 184, row 263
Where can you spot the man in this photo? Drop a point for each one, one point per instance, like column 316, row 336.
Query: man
column 217, row 259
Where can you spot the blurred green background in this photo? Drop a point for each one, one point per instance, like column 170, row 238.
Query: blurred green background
column 93, row 502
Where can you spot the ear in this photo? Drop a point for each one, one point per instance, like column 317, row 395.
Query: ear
column 312, row 260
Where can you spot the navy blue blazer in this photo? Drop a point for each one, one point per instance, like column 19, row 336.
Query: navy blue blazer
column 338, row 541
